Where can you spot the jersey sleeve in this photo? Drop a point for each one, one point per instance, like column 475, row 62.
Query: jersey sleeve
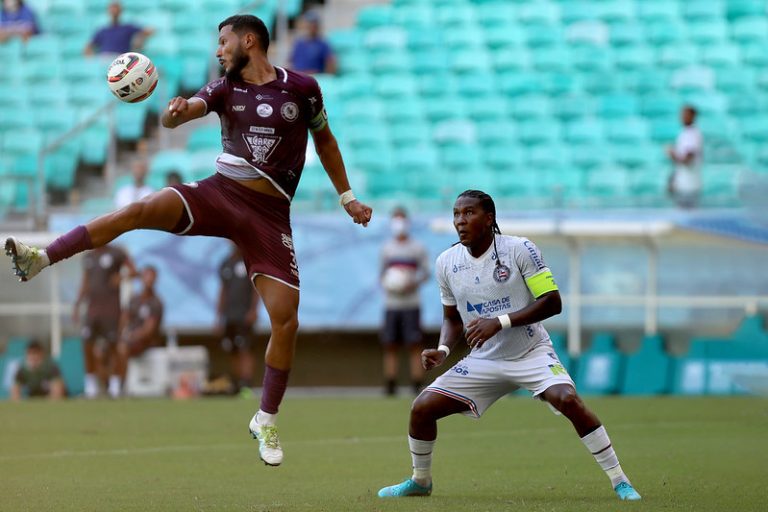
column 213, row 95
column 446, row 294
column 317, row 118
column 537, row 275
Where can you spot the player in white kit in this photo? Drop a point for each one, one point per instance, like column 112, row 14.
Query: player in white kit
column 499, row 288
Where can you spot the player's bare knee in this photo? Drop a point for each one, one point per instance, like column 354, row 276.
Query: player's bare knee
column 422, row 408
column 286, row 324
column 569, row 402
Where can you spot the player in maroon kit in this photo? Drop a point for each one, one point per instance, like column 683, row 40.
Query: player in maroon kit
column 265, row 113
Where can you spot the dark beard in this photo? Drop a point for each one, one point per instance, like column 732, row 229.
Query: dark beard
column 239, row 61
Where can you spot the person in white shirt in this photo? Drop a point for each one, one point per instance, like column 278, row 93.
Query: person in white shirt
column 404, row 268
column 686, row 156
column 132, row 192
column 499, row 289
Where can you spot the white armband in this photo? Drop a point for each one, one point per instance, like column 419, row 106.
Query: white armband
column 347, row 197
column 445, row 349
column 505, row 321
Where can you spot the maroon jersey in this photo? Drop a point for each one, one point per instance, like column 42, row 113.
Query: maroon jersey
column 264, row 127
column 103, row 292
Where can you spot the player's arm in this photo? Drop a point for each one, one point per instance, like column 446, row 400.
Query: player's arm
column 328, row 150
column 450, row 336
column 143, row 335
column 18, row 381
column 181, row 110
column 545, row 306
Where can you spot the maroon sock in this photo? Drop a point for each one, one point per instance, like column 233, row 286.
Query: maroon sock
column 66, row 246
column 275, row 382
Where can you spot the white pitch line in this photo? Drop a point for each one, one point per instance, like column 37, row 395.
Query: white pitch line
column 313, row 442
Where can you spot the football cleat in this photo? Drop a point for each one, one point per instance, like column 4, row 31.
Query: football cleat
column 405, row 489
column 270, row 451
column 27, row 261
column 626, row 492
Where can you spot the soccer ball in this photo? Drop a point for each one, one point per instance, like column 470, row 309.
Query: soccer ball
column 132, row 77
column 396, row 279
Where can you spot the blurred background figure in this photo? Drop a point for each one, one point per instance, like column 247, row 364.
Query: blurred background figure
column 404, row 267
column 311, row 53
column 686, row 157
column 236, row 315
column 100, row 289
column 139, row 328
column 38, row 376
column 17, row 20
column 173, row 178
column 132, row 192
column 118, row 37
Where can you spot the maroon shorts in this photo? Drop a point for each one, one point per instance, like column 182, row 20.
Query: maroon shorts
column 259, row 224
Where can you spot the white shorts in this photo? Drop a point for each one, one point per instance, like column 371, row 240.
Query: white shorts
column 480, row 382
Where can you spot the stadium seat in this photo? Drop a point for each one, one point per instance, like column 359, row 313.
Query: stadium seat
column 72, row 366
column 750, row 29
column 617, row 106
column 647, row 371
column 735, row 9
column 583, row 132
column 204, row 137
column 711, row 32
column 599, row 368
column 631, row 130
column 626, row 35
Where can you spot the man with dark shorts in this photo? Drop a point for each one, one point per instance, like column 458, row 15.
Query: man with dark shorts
column 265, row 113
column 236, row 313
column 404, row 267
column 100, row 289
column 139, row 324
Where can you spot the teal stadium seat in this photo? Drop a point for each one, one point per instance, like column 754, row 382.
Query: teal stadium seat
column 647, row 371
column 204, row 137
column 599, row 368
column 750, row 29
column 72, row 366
column 736, row 9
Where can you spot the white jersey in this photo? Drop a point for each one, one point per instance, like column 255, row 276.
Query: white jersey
column 687, row 178
column 478, row 287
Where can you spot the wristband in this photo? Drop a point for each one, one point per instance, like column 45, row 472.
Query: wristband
column 505, row 321
column 346, row 198
column 444, row 349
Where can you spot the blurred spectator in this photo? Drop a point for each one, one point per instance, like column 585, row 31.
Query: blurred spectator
column 311, row 53
column 404, row 267
column 100, row 289
column 17, row 20
column 132, row 192
column 118, row 37
column 172, row 178
column 236, row 314
column 139, row 328
column 38, row 376
column 686, row 156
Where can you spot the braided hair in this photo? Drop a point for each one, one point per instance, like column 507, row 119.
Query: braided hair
column 487, row 204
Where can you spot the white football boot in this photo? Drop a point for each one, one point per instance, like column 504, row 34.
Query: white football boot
column 27, row 261
column 269, row 443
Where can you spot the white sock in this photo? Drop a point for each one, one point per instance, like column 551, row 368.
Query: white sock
column 599, row 445
column 114, row 386
column 91, row 385
column 265, row 418
column 45, row 258
column 421, row 454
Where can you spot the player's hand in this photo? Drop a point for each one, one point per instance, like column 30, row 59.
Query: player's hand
column 177, row 105
column 480, row 330
column 360, row 213
column 432, row 357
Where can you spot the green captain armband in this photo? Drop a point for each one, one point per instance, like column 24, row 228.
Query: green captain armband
column 541, row 283
column 319, row 121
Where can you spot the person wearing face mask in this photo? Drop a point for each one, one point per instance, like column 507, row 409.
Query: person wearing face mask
column 404, row 267
column 17, row 19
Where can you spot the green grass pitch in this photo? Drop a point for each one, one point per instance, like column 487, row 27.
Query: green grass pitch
column 697, row 454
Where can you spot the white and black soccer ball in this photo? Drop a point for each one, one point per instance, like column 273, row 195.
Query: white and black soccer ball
column 132, row 77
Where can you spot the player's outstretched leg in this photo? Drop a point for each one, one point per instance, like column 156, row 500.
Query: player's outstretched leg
column 282, row 304
column 564, row 398
column 161, row 210
column 425, row 411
